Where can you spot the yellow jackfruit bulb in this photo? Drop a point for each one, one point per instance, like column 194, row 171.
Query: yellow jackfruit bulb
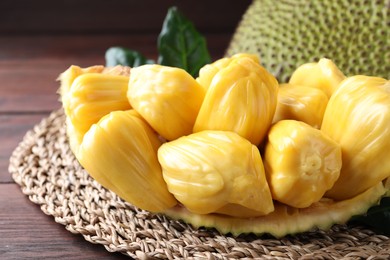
column 208, row 71
column 67, row 77
column 242, row 98
column 323, row 75
column 74, row 137
column 358, row 117
column 301, row 103
column 92, row 96
column 168, row 98
column 301, row 163
column 216, row 171
column 120, row 152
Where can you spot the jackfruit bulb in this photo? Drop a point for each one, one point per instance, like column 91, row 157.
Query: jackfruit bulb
column 286, row 34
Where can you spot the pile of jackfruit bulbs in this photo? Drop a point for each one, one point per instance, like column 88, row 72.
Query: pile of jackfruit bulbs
column 233, row 147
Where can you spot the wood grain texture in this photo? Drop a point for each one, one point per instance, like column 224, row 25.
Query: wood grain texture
column 12, row 130
column 27, row 233
column 28, row 90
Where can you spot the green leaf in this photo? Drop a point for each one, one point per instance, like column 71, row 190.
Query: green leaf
column 126, row 57
column 181, row 45
column 377, row 217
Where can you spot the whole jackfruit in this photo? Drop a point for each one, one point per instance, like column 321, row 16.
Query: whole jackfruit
column 286, row 34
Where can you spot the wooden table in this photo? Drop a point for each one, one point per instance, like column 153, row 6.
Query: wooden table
column 38, row 41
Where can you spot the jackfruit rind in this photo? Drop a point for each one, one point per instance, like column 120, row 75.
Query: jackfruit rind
column 286, row 220
column 286, row 34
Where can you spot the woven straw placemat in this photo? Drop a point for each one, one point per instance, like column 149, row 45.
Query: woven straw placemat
column 51, row 177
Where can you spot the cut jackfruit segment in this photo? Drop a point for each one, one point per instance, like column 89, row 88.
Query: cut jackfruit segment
column 323, row 75
column 286, row 220
column 120, row 152
column 301, row 103
column 301, row 163
column 286, row 34
column 241, row 98
column 209, row 170
column 92, row 96
column 74, row 137
column 168, row 98
column 76, row 128
column 357, row 117
column 67, row 77
column 207, row 72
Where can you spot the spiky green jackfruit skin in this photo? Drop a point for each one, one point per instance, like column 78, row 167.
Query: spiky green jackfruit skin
column 286, row 34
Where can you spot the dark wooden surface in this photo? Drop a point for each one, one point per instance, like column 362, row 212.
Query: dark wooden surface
column 40, row 39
